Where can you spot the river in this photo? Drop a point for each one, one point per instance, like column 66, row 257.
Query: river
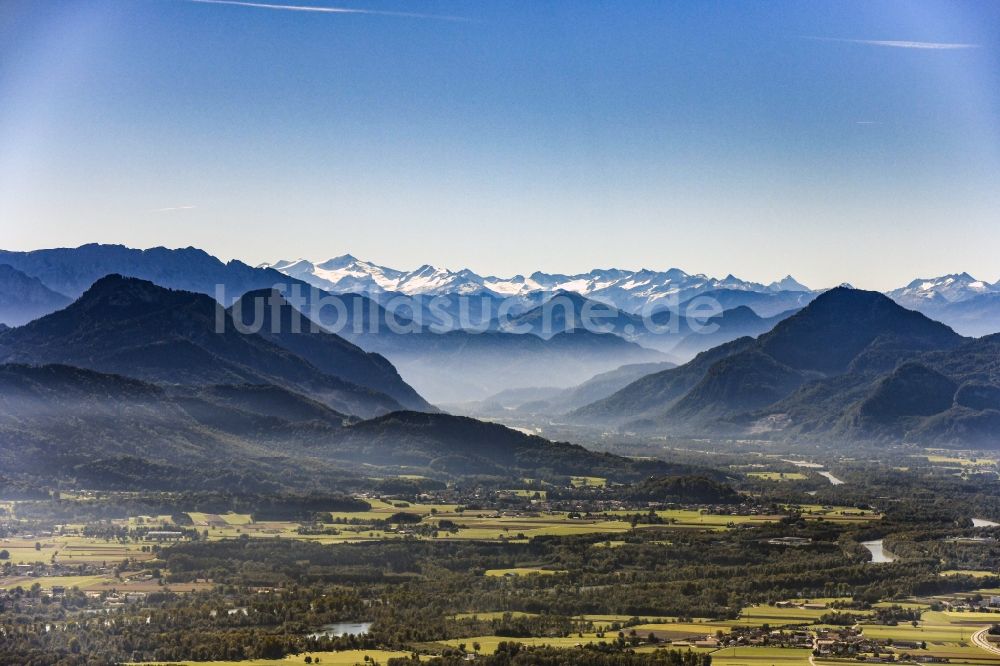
column 879, row 554
column 831, row 478
column 338, row 629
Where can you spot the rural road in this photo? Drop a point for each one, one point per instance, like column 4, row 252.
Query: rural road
column 979, row 639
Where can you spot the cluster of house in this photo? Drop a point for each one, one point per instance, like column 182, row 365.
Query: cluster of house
column 850, row 642
column 754, row 637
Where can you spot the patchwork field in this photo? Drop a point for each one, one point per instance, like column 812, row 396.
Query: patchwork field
column 345, row 658
column 778, row 476
column 588, row 481
column 70, row 549
column 100, row 583
column 762, row 656
column 955, row 460
column 522, row 571
column 361, row 525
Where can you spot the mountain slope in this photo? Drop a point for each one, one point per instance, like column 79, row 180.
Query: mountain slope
column 810, row 366
column 23, row 298
column 460, row 445
column 59, row 423
column 656, row 391
column 731, row 324
column 108, row 431
column 136, row 328
column 832, row 330
column 277, row 321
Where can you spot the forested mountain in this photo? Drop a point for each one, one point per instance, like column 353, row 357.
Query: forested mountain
column 61, row 423
column 138, row 329
column 274, row 319
column 851, row 365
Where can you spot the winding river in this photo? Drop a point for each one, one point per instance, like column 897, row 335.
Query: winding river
column 879, row 554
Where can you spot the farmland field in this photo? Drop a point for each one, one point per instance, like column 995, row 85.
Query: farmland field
column 778, row 476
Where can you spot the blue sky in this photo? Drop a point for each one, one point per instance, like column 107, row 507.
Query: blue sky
column 840, row 141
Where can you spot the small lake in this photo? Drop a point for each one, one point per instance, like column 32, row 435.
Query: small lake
column 338, row 629
column 982, row 522
column 831, row 478
column 879, row 554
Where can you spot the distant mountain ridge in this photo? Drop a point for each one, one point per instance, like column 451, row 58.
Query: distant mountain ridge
column 945, row 289
column 71, row 271
column 629, row 290
column 970, row 306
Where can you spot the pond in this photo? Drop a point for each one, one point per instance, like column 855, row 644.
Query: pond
column 338, row 629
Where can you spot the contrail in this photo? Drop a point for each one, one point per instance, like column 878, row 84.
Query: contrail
column 933, row 46
column 171, row 208
column 332, row 10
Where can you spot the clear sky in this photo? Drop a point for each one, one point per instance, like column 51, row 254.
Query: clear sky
column 838, row 141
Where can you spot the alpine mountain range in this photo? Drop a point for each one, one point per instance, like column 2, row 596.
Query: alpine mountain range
column 114, row 344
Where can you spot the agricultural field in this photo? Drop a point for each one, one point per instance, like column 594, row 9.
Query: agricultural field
column 344, row 658
column 837, row 514
column 488, row 644
column 588, row 481
column 762, row 656
column 71, row 549
column 778, row 476
column 940, row 459
column 478, row 525
column 522, row 571
column 101, row 583
column 947, row 635
column 700, row 519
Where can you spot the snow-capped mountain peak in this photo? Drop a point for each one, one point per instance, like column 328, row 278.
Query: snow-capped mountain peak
column 787, row 283
column 951, row 288
column 626, row 289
